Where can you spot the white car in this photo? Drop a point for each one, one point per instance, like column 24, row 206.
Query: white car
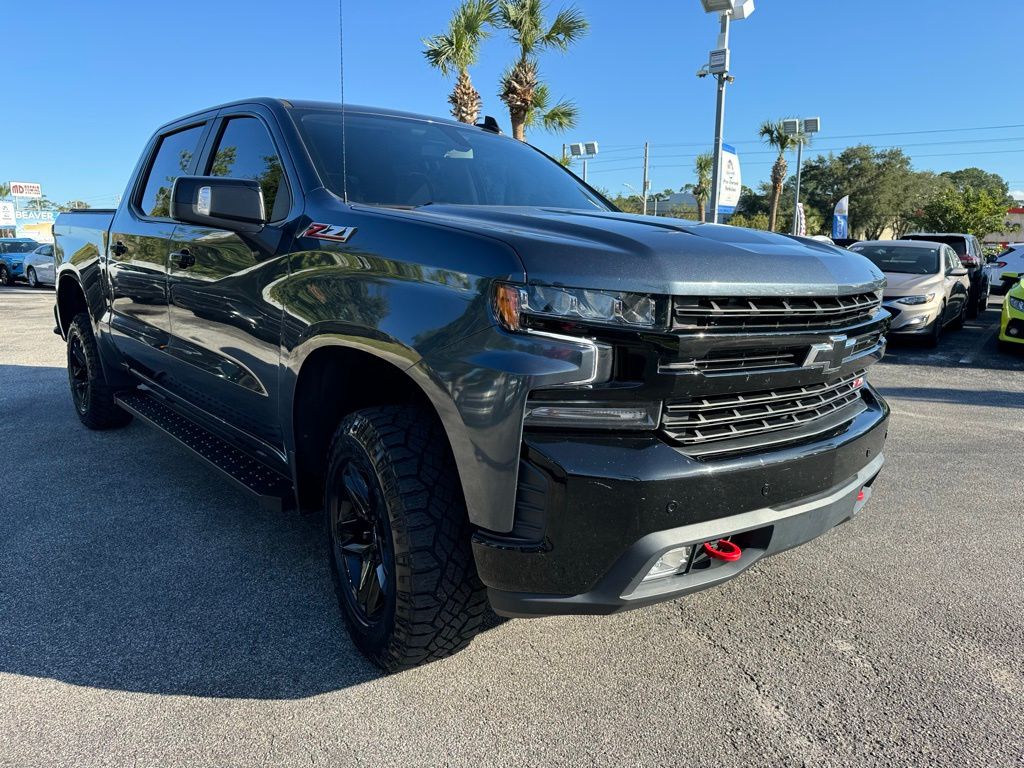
column 1007, row 268
column 40, row 267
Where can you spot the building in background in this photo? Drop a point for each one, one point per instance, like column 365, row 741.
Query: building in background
column 1014, row 216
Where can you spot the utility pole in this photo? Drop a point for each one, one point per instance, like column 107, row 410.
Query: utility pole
column 647, row 183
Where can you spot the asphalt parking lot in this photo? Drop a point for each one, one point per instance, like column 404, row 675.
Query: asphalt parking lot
column 152, row 615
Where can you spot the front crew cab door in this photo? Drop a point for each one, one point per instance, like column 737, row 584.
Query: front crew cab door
column 226, row 329
column 139, row 244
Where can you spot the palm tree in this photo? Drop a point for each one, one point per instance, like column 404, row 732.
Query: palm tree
column 457, row 50
column 701, row 191
column 774, row 136
column 5, row 189
column 527, row 98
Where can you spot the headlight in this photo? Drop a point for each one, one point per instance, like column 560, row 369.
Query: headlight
column 916, row 299
column 513, row 303
column 1017, row 304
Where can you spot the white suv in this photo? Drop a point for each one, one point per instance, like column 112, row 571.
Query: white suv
column 1007, row 268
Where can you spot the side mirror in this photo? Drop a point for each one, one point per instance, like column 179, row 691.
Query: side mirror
column 958, row 272
column 219, row 202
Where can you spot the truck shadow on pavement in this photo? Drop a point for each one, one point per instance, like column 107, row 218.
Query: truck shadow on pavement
column 126, row 564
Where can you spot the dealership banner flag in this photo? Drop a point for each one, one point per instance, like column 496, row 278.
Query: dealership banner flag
column 841, row 220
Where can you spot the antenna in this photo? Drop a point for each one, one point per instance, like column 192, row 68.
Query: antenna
column 341, row 62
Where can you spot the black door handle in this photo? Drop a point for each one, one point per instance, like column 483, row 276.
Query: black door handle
column 184, row 258
column 119, row 248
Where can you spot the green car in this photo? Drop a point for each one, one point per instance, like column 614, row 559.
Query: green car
column 1011, row 327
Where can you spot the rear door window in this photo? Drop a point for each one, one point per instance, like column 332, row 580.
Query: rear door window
column 172, row 159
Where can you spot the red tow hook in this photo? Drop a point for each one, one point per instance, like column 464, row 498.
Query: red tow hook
column 722, row 549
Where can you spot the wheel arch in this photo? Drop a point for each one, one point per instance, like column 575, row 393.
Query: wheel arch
column 70, row 301
column 334, row 380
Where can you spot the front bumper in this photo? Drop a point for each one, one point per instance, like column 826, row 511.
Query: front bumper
column 911, row 319
column 1011, row 323
column 605, row 509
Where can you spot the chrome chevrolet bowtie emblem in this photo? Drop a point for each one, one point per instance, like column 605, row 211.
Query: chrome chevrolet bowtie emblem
column 830, row 355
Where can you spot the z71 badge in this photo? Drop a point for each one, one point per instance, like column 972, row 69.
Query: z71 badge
column 329, row 232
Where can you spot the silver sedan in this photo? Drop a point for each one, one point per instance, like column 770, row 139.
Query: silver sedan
column 40, row 267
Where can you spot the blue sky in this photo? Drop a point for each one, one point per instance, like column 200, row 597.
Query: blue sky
column 91, row 81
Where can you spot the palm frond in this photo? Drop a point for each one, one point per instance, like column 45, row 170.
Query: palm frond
column 568, row 27
column 440, row 52
column 560, row 117
column 458, row 49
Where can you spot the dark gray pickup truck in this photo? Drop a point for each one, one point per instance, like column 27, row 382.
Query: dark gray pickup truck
column 496, row 387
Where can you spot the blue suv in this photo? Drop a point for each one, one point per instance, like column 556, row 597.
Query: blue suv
column 13, row 251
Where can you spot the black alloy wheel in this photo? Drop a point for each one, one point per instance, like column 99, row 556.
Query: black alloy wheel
column 78, row 374
column 363, row 554
column 92, row 396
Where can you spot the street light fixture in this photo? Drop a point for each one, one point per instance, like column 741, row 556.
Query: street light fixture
column 584, row 150
column 718, row 65
column 799, row 129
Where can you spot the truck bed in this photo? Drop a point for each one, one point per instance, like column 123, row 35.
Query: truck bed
column 80, row 236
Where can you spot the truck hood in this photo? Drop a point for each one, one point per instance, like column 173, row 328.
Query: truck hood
column 625, row 252
column 900, row 284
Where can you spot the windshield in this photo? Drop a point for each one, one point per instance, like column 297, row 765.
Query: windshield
column 908, row 260
column 408, row 162
column 19, row 247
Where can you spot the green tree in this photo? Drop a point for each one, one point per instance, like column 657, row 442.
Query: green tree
column 976, row 211
column 701, row 189
column 527, row 98
column 878, row 182
column 773, row 135
column 455, row 51
column 5, row 189
column 74, row 205
column 755, row 221
column 40, row 204
column 976, row 178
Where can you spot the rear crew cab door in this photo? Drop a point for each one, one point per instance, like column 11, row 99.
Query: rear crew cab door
column 226, row 324
column 138, row 246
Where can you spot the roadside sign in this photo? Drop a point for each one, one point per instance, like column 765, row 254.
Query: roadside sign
column 26, row 189
column 7, row 218
column 731, row 183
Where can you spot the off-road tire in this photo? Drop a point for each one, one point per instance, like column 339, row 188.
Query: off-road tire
column 437, row 602
column 95, row 406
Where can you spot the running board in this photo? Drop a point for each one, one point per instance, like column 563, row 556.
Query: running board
column 271, row 488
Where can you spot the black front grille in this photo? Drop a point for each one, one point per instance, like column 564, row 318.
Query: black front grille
column 698, row 313
column 747, row 421
column 758, row 359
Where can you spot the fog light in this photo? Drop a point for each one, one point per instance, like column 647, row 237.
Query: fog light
column 917, row 320
column 669, row 564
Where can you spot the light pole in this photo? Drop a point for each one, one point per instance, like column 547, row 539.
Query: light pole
column 718, row 65
column 801, row 130
column 584, row 150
